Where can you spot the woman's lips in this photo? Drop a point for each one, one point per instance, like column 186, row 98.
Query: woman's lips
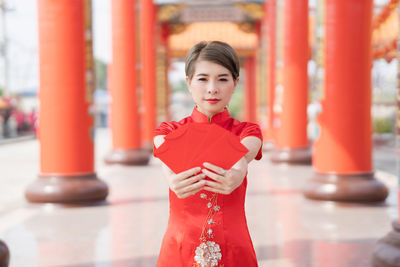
column 212, row 100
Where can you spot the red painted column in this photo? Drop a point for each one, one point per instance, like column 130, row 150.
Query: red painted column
column 126, row 140
column 250, row 89
column 291, row 142
column 4, row 254
column 258, row 101
column 270, row 62
column 342, row 157
column 147, row 32
column 168, row 85
column 65, row 124
column 164, row 40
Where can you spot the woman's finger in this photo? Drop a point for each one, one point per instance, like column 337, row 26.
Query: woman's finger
column 215, row 185
column 185, row 174
column 191, row 189
column 190, row 181
column 214, row 168
column 190, row 193
column 213, row 175
column 212, row 189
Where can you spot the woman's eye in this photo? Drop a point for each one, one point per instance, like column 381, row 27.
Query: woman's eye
column 202, row 79
column 223, row 80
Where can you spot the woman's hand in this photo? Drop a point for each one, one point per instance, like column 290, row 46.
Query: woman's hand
column 186, row 183
column 225, row 181
column 183, row 184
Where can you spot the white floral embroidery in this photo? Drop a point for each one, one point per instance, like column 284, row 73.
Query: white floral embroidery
column 208, row 254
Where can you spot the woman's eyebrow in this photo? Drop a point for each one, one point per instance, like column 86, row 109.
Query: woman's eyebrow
column 220, row 75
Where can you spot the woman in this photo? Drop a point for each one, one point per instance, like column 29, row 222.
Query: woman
column 207, row 225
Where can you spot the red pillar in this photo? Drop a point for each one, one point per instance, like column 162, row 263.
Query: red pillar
column 123, row 83
column 147, row 31
column 291, row 142
column 257, row 75
column 164, row 40
column 342, row 156
column 168, row 93
column 4, row 254
column 250, row 89
column 65, row 124
column 270, row 7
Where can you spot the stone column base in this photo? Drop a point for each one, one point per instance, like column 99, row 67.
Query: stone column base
column 67, row 189
column 387, row 249
column 4, row 255
column 292, row 155
column 148, row 146
column 349, row 188
column 128, row 157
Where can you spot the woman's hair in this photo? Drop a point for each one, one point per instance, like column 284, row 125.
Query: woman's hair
column 215, row 51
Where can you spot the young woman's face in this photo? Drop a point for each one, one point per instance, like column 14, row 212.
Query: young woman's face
column 211, row 86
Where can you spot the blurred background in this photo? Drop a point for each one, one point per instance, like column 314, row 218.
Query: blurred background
column 19, row 74
column 127, row 228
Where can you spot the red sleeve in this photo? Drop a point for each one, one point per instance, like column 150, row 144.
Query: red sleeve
column 165, row 128
column 253, row 129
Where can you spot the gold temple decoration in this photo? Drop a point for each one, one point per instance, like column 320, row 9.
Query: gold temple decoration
column 169, row 12
column 246, row 27
column 177, row 28
column 254, row 10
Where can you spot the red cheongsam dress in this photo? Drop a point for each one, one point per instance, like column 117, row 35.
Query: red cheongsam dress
column 209, row 229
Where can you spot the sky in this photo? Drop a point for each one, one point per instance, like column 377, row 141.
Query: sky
column 22, row 33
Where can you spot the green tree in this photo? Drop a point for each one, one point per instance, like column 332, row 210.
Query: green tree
column 180, row 86
column 236, row 103
column 101, row 74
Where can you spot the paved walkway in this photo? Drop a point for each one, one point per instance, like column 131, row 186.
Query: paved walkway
column 287, row 229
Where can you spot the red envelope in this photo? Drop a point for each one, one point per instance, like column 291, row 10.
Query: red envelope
column 195, row 143
column 174, row 149
column 197, row 132
column 223, row 149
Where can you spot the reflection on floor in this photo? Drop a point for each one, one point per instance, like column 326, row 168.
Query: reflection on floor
column 126, row 230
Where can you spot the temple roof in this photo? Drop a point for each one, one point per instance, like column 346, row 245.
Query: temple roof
column 217, row 11
column 245, row 43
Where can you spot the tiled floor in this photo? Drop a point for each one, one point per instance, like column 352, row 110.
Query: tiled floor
column 287, row 229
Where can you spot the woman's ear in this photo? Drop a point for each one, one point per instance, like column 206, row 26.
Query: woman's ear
column 188, row 82
column 236, row 81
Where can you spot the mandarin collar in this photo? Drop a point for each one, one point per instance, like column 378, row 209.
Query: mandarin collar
column 218, row 118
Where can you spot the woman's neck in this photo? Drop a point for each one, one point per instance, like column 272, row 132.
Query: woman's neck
column 208, row 114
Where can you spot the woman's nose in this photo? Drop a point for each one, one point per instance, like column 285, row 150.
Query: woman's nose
column 212, row 88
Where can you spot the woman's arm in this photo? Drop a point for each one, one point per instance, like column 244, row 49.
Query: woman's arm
column 184, row 184
column 225, row 181
column 253, row 144
column 158, row 140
